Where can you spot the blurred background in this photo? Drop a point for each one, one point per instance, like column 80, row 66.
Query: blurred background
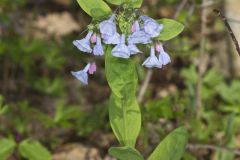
column 40, row 100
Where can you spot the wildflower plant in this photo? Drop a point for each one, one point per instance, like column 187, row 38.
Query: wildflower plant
column 117, row 36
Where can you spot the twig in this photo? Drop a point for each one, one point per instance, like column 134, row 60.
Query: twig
column 201, row 62
column 230, row 31
column 180, row 8
column 213, row 147
column 144, row 85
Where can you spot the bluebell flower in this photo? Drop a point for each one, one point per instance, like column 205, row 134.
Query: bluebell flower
column 108, row 27
column 84, row 44
column 133, row 49
column 139, row 37
column 115, row 39
column 82, row 75
column 151, row 27
column 152, row 60
column 121, row 50
column 164, row 58
column 98, row 49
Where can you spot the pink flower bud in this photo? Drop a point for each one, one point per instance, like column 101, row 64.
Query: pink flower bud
column 158, row 47
column 133, row 28
column 93, row 68
column 94, row 38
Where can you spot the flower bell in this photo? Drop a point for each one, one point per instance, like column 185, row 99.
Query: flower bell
column 121, row 50
column 164, row 58
column 139, row 37
column 133, row 49
column 151, row 26
column 84, row 44
column 98, row 49
column 82, row 75
column 152, row 60
column 115, row 39
column 108, row 27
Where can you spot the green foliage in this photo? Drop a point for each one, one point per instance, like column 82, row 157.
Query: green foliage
column 95, row 8
column 159, row 108
column 125, row 153
column 33, row 150
column 172, row 147
column 124, row 112
column 7, row 146
column 3, row 107
column 171, row 29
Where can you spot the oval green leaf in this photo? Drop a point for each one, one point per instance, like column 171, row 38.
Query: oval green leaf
column 124, row 112
column 97, row 9
column 171, row 29
column 125, row 153
column 33, row 150
column 172, row 147
column 6, row 148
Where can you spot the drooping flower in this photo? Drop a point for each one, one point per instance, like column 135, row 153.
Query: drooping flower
column 98, row 49
column 152, row 60
column 139, row 37
column 115, row 39
column 108, row 27
column 164, row 58
column 93, row 68
column 121, row 50
column 82, row 75
column 84, row 44
column 151, row 27
column 94, row 38
column 133, row 49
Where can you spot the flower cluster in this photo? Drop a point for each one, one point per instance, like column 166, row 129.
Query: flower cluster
column 144, row 31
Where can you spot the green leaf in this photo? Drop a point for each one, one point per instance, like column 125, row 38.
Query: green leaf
column 172, row 147
column 97, row 9
column 33, row 150
column 134, row 3
column 171, row 29
column 125, row 153
column 124, row 112
column 125, row 119
column 6, row 148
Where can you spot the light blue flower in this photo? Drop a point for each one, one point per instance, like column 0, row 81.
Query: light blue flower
column 84, row 44
column 164, row 58
column 121, row 50
column 151, row 27
column 108, row 27
column 152, row 60
column 82, row 75
column 98, row 49
column 139, row 37
column 115, row 39
column 133, row 49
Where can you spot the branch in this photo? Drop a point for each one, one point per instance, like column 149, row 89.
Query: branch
column 230, row 31
column 213, row 147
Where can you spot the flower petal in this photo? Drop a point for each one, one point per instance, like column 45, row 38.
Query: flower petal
column 98, row 49
column 108, row 27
